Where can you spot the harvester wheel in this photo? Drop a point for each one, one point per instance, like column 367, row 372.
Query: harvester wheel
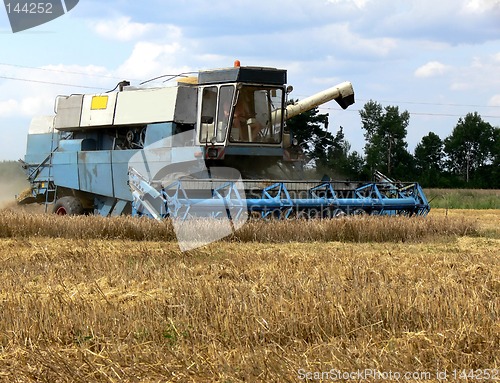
column 68, row 206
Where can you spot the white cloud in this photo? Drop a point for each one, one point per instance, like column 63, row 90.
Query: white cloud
column 88, row 70
column 461, row 86
column 8, row 107
column 358, row 3
column 35, row 105
column 339, row 41
column 31, row 91
column 450, row 21
column 495, row 100
column 150, row 59
column 28, row 106
column 481, row 6
column 432, row 69
column 374, row 46
column 481, row 74
column 124, row 29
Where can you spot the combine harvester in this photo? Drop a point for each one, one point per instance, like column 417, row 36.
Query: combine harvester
column 214, row 145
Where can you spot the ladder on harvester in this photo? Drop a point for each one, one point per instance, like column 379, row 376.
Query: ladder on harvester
column 50, row 187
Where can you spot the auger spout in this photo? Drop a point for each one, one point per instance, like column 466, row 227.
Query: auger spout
column 342, row 93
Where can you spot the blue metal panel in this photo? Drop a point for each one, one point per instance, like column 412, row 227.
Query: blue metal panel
column 120, row 160
column 103, row 206
column 254, row 150
column 152, row 161
column 39, row 146
column 119, row 207
column 157, row 132
column 65, row 169
column 78, row 145
column 95, row 172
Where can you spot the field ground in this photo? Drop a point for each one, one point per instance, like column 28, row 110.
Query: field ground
column 463, row 198
column 488, row 220
column 119, row 309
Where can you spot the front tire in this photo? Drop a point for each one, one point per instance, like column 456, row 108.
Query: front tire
column 68, row 206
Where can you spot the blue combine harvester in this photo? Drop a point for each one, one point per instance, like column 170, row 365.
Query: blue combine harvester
column 212, row 145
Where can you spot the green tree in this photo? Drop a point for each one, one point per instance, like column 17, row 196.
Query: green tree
column 329, row 152
column 471, row 147
column 354, row 166
column 310, row 129
column 385, row 135
column 341, row 162
column 371, row 119
column 495, row 173
column 429, row 159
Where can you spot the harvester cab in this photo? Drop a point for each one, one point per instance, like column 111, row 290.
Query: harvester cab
column 238, row 120
column 241, row 117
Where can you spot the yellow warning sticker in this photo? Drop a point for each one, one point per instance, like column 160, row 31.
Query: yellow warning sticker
column 99, row 102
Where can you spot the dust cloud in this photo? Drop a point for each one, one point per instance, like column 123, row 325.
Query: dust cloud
column 12, row 183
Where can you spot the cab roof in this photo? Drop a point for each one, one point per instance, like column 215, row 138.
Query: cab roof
column 254, row 75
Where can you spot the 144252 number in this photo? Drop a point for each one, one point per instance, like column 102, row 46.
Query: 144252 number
column 29, row 8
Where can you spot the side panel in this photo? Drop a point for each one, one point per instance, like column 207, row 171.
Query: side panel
column 69, row 112
column 152, row 161
column 187, row 105
column 98, row 110
column 120, row 160
column 65, row 161
column 37, row 155
column 65, row 169
column 95, row 172
column 41, row 125
column 158, row 132
column 145, row 106
column 39, row 147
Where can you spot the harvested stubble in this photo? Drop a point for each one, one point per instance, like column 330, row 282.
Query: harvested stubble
column 16, row 224
column 120, row 302
column 93, row 310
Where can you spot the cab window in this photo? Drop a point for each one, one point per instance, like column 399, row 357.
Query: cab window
column 257, row 115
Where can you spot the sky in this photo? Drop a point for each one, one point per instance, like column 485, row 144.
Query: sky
column 439, row 60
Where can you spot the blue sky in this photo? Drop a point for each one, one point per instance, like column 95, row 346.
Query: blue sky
column 437, row 59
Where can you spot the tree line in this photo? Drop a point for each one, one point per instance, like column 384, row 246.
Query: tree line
column 468, row 157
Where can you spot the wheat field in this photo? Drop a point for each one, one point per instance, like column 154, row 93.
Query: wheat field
column 88, row 299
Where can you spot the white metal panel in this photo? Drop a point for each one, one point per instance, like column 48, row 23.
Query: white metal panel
column 41, row 125
column 101, row 116
column 68, row 112
column 187, row 105
column 146, row 106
